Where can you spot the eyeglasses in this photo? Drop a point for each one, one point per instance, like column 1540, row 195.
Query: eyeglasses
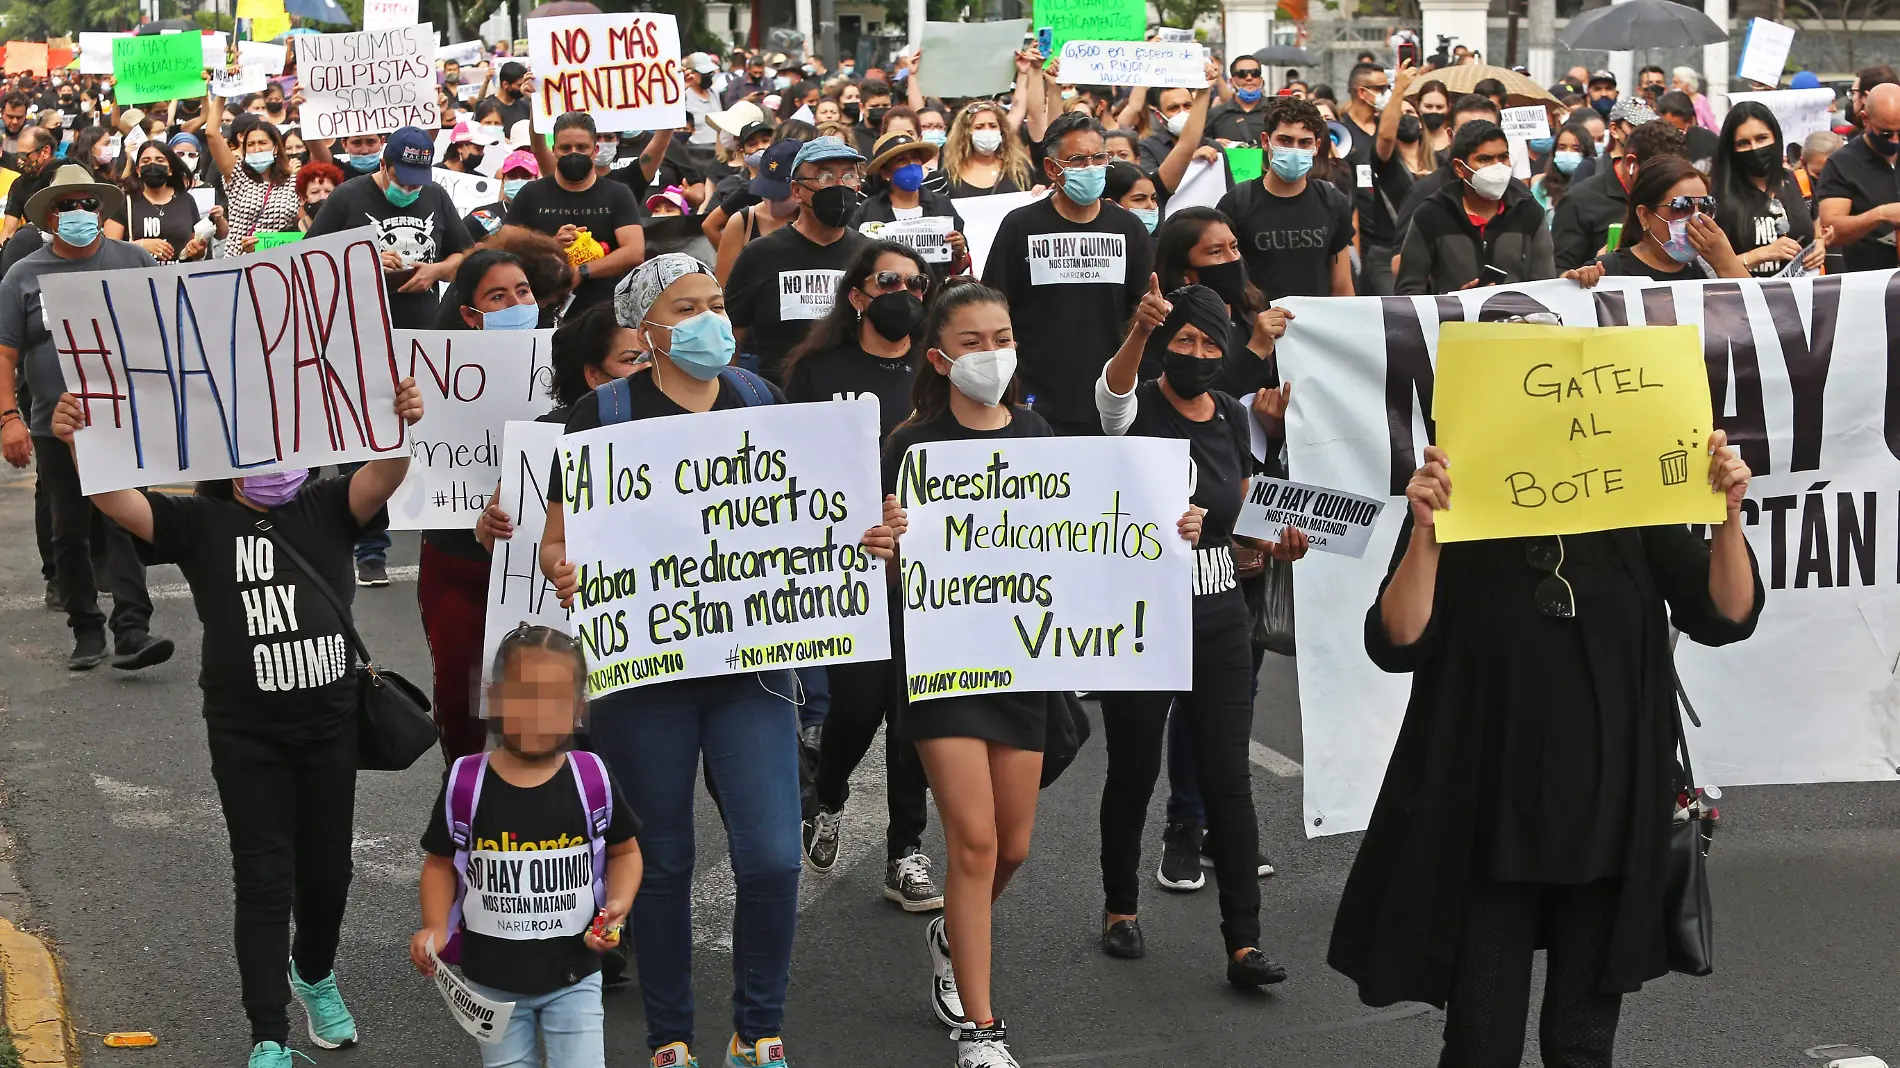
column 827, row 179
column 1100, row 159
column 79, row 204
column 1554, row 597
column 891, row 281
column 1248, row 72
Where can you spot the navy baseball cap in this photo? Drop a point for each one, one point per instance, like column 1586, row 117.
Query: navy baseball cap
column 411, row 153
column 775, row 171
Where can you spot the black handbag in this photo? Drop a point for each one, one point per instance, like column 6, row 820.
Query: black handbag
column 1065, row 731
column 393, row 726
column 1688, row 910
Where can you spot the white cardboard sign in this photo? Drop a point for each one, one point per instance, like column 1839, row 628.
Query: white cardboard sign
column 389, row 14
column 517, row 590
column 484, row 1018
column 1765, row 52
column 95, row 51
column 368, row 82
column 1160, row 64
column 622, row 68
column 1333, row 521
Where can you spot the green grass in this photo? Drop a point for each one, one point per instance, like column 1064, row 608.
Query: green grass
column 9, row 1056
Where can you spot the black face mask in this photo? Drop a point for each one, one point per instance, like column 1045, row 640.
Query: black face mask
column 314, row 206
column 1409, row 130
column 895, row 315
column 1883, row 143
column 575, row 166
column 1759, row 162
column 1188, row 375
column 850, row 111
column 155, row 175
column 874, row 117
column 833, row 206
column 1227, row 280
column 1432, row 120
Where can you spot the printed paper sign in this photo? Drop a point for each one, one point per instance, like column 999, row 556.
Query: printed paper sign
column 1093, row 20
column 1333, row 521
column 467, row 191
column 928, row 235
column 243, row 83
column 166, row 66
column 472, row 382
column 258, row 62
column 481, row 1017
column 1170, row 33
column 368, row 82
column 517, row 590
column 233, row 367
column 217, row 49
column 726, row 541
column 205, row 197
column 1077, row 259
column 95, row 51
column 1800, row 111
column 389, row 14
column 1765, row 52
column 1162, row 64
column 266, row 56
column 1046, row 564
column 806, row 294
column 1521, row 125
column 622, row 68
column 524, row 891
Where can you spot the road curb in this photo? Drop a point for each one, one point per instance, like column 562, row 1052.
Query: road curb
column 35, row 1001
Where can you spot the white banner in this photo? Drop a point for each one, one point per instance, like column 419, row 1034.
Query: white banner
column 368, row 82
column 467, row 54
column 95, row 52
column 981, row 217
column 517, row 590
column 1333, row 522
column 472, row 382
column 622, row 68
column 1799, row 111
column 1799, row 373
column 725, row 541
column 1047, row 564
column 390, row 14
column 1160, row 64
column 467, row 191
column 484, row 1018
column 207, row 370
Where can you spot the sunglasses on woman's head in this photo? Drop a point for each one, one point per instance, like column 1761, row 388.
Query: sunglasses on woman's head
column 1554, row 597
column 890, row 281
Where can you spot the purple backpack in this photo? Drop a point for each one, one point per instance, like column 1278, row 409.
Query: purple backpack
column 465, row 795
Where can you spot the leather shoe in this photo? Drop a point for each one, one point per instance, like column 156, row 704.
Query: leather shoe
column 1123, row 939
column 1254, row 969
column 89, row 650
column 140, row 650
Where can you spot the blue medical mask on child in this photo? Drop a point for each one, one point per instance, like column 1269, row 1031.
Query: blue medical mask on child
column 512, row 187
column 702, row 344
column 1150, row 217
column 1084, row 184
column 78, row 228
column 513, row 317
column 1291, row 164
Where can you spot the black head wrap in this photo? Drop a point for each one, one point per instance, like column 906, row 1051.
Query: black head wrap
column 1192, row 304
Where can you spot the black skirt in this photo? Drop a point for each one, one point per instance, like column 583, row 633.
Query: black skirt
column 1017, row 720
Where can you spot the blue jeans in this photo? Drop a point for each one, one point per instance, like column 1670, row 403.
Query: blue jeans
column 1184, row 788
column 568, row 1021
column 746, row 729
column 371, row 545
column 816, row 682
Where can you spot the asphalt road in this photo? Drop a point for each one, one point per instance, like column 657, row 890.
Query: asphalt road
column 106, row 789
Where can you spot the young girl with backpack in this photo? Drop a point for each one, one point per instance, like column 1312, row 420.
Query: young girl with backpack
column 532, row 862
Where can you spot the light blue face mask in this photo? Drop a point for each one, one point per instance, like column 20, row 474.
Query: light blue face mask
column 1540, row 145
column 260, row 161
column 934, row 136
column 364, row 164
column 1291, row 164
column 78, row 228
column 512, row 188
column 1150, row 217
column 1084, row 184
column 1566, row 161
column 702, row 344
column 513, row 317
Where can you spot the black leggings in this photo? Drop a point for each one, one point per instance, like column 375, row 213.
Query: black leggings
column 1218, row 713
column 289, row 805
column 1491, row 981
column 864, row 695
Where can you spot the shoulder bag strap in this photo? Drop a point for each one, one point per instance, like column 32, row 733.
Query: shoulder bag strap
column 323, row 587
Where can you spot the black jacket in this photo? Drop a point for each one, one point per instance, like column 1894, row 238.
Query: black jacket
column 1444, row 251
column 1582, row 224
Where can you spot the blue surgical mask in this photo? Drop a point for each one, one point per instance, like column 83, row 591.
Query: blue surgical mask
column 909, row 177
column 1541, row 145
column 261, row 160
column 1084, row 184
column 1249, row 96
column 702, row 344
column 1291, row 164
column 934, row 136
column 364, row 164
column 1566, row 161
column 513, row 317
column 512, row 187
column 1677, row 246
column 78, row 228
column 1150, row 217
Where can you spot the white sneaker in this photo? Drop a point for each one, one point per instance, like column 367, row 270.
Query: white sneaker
column 983, row 1047
column 944, row 999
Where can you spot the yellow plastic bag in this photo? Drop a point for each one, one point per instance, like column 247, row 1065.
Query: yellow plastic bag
column 585, row 249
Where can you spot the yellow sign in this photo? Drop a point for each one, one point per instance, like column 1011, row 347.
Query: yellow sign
column 1564, row 430
column 7, row 177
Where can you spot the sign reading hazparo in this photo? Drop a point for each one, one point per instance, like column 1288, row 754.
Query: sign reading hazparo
column 1564, row 430
column 624, row 69
column 1046, row 564
column 725, row 541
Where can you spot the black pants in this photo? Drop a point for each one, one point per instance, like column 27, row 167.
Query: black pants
column 1218, row 712
column 1491, row 981
column 1375, row 271
column 289, row 805
column 864, row 695
column 75, row 525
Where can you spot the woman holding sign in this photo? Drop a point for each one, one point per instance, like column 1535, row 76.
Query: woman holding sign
column 257, row 179
column 1528, row 800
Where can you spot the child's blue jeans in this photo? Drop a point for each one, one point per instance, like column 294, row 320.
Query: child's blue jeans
column 568, row 1022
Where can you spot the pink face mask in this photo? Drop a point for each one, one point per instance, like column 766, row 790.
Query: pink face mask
column 273, row 490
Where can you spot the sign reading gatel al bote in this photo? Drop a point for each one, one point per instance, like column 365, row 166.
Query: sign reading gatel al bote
column 725, row 542
column 1046, row 564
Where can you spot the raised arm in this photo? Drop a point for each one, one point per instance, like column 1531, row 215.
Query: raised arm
column 126, row 507
column 1406, row 606
column 373, row 484
column 654, row 154
column 220, row 149
column 1387, row 136
column 1172, row 169
column 1114, row 393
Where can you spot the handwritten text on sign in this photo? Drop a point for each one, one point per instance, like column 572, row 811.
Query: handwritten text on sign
column 1563, row 430
column 369, row 82
column 1046, row 564
column 623, row 68
column 1093, row 20
column 1333, row 521
column 1163, row 64
column 472, row 382
column 207, row 370
column 517, row 590
column 725, row 541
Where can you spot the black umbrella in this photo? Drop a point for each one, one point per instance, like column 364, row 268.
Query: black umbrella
column 1285, row 56
column 1636, row 24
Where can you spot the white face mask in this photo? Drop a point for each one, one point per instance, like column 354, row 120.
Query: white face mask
column 1379, row 102
column 1490, row 182
column 986, row 141
column 1177, row 122
column 984, row 376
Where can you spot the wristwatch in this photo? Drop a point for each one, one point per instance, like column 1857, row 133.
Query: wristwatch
column 584, row 274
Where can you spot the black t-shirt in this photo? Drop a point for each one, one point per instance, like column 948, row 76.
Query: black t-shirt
column 427, row 231
column 849, row 372
column 1221, row 449
column 1071, row 288
column 1227, row 122
column 1866, row 180
column 601, row 209
column 519, row 111
column 955, row 188
column 1289, row 242
column 485, row 220
column 780, row 285
column 1624, row 262
column 647, row 402
column 1379, row 186
column 170, row 222
column 274, row 656
column 1753, row 219
column 511, row 819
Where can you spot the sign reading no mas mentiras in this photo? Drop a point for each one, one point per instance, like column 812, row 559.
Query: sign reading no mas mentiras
column 725, row 541
column 624, row 69
column 1046, row 564
column 369, row 82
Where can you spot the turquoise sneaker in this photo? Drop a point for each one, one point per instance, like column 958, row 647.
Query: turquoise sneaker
column 765, row 1053
column 331, row 1025
column 674, row 1055
column 272, row 1055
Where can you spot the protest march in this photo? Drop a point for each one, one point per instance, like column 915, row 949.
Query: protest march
column 984, row 415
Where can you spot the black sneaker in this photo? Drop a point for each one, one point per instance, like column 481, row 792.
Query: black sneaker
column 907, row 882
column 1123, row 939
column 1180, row 868
column 54, row 602
column 137, row 649
column 89, row 650
column 1254, row 969
column 821, row 839
column 372, row 573
column 1262, row 866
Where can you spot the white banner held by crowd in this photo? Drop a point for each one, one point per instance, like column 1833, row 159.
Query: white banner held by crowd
column 624, row 69
column 517, row 590
column 1334, row 522
column 1823, row 474
column 234, row 367
column 472, row 382
column 1046, row 564
column 928, row 236
column 725, row 541
column 484, row 1018
column 368, row 82
column 1799, row 111
column 983, row 215
column 1160, row 64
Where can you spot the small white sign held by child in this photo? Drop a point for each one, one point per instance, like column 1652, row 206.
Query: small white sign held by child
column 485, row 1019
